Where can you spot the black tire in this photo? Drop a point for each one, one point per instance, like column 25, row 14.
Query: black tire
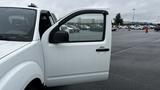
column 35, row 85
column 32, row 88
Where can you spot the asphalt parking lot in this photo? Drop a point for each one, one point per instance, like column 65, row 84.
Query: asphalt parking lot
column 135, row 63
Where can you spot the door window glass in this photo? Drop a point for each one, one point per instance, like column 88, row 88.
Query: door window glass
column 85, row 27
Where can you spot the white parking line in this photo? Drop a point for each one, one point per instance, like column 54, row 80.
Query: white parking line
column 122, row 51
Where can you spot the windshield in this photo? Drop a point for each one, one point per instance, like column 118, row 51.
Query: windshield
column 17, row 24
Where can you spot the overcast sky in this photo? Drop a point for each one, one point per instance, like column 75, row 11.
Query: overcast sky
column 146, row 10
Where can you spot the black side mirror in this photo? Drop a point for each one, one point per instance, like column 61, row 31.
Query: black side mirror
column 60, row 37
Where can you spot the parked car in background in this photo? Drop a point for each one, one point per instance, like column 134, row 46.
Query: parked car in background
column 152, row 26
column 75, row 28
column 84, row 27
column 136, row 27
column 96, row 28
column 157, row 28
column 124, row 27
column 67, row 29
column 114, row 29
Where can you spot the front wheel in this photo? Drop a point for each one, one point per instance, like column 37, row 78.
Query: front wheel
column 35, row 86
column 32, row 88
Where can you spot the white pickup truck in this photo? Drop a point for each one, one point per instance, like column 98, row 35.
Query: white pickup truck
column 35, row 50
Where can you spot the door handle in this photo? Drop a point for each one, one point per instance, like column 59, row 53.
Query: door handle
column 102, row 50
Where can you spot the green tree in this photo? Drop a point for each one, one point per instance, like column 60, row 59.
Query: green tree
column 118, row 20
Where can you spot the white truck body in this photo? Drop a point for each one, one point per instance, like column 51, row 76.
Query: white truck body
column 54, row 64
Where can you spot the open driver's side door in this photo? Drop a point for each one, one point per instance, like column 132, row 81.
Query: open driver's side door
column 78, row 48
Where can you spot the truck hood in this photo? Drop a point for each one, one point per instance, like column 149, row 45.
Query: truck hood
column 8, row 47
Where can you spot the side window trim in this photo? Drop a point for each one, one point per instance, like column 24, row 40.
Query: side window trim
column 104, row 13
column 54, row 17
column 51, row 20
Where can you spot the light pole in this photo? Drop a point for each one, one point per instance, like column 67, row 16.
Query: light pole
column 157, row 19
column 134, row 10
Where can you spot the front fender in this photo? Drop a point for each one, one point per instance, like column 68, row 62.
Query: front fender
column 21, row 75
